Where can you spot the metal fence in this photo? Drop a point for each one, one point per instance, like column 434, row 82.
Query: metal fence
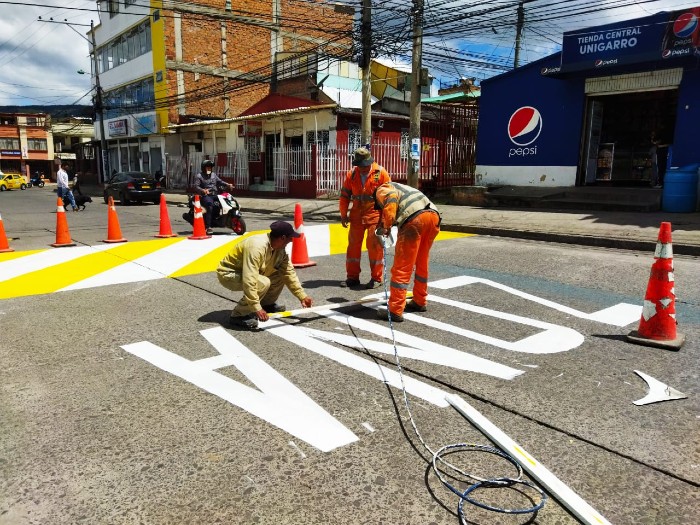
column 444, row 163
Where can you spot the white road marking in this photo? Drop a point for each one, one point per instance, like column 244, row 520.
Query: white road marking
column 620, row 314
column 390, row 376
column 156, row 265
column 279, row 402
column 46, row 258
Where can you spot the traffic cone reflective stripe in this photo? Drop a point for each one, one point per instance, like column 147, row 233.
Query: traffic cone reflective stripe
column 62, row 232
column 165, row 228
column 300, row 253
column 199, row 231
column 114, row 232
column 657, row 326
column 4, row 246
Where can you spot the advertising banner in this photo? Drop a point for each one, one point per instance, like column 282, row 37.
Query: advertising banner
column 658, row 37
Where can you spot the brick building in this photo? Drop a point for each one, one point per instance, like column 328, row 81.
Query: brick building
column 176, row 62
column 26, row 143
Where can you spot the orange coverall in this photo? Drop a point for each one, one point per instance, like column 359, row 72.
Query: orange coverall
column 363, row 217
column 419, row 223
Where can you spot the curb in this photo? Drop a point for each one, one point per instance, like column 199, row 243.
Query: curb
column 581, row 240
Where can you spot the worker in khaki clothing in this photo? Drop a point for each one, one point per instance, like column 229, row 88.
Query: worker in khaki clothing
column 358, row 187
column 259, row 266
column 418, row 223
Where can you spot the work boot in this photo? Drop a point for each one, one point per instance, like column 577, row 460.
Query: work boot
column 349, row 283
column 415, row 307
column 372, row 284
column 249, row 322
column 383, row 314
column 210, row 231
column 274, row 308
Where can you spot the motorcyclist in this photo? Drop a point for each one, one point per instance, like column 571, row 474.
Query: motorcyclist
column 206, row 184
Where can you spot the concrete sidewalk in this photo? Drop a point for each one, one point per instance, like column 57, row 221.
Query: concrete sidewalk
column 623, row 229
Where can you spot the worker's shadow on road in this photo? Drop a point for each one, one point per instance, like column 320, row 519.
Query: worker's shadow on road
column 320, row 283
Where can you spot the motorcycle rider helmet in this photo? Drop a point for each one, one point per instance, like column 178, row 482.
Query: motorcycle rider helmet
column 207, row 164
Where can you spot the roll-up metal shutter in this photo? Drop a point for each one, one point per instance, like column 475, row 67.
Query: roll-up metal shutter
column 634, row 82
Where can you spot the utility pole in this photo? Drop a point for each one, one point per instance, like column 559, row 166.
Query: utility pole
column 413, row 165
column 366, row 30
column 519, row 33
column 99, row 109
column 104, row 174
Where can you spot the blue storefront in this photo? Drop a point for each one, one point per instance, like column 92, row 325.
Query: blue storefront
column 611, row 108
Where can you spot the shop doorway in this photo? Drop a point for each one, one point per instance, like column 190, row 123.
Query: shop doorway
column 617, row 142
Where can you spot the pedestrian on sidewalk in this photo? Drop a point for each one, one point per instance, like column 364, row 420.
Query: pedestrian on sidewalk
column 358, row 187
column 418, row 222
column 259, row 267
column 62, row 187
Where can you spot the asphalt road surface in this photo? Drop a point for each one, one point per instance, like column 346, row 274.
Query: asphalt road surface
column 125, row 398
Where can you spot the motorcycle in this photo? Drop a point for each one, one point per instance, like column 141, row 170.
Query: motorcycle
column 228, row 216
column 36, row 180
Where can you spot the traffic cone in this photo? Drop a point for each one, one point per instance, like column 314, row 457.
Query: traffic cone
column 300, row 255
column 4, row 246
column 165, row 229
column 114, row 232
column 199, row 231
column 62, row 232
column 657, row 327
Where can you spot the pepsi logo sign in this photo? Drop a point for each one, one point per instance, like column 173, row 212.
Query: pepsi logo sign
column 666, row 53
column 685, row 25
column 524, row 126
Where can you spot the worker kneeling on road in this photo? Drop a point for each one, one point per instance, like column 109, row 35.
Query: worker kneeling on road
column 418, row 222
column 359, row 185
column 259, row 266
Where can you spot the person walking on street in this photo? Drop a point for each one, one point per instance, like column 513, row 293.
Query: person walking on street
column 418, row 222
column 76, row 184
column 62, row 188
column 259, row 267
column 206, row 184
column 358, row 187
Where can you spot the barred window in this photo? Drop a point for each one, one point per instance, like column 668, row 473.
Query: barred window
column 405, row 144
column 321, row 138
column 252, row 146
column 354, row 138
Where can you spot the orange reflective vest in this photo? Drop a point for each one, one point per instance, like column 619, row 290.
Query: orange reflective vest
column 361, row 195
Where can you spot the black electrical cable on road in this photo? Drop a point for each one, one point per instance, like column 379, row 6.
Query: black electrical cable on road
column 440, row 464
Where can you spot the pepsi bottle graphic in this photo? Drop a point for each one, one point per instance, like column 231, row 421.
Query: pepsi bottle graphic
column 682, row 33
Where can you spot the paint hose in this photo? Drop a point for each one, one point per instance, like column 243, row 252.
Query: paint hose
column 440, row 465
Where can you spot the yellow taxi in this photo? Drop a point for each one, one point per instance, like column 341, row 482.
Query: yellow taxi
column 12, row 182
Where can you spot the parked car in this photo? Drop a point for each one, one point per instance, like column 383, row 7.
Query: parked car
column 13, row 182
column 130, row 186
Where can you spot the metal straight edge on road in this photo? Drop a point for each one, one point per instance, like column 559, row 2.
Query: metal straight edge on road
column 567, row 497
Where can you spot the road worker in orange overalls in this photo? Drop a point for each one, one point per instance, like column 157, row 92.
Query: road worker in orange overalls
column 418, row 222
column 359, row 185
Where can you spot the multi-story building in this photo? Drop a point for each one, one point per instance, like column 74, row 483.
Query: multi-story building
column 26, row 143
column 178, row 62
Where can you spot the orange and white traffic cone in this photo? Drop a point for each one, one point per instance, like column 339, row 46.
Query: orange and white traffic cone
column 300, row 254
column 4, row 246
column 114, row 232
column 62, row 232
column 199, row 231
column 657, row 327
column 165, row 228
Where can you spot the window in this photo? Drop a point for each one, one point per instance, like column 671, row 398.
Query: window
column 405, row 144
column 35, row 121
column 9, row 143
column 252, row 146
column 113, row 6
column 37, row 145
column 320, row 138
column 354, row 138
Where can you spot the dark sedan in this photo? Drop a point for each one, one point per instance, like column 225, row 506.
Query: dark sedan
column 131, row 186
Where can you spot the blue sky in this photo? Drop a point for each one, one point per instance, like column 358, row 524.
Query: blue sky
column 39, row 62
